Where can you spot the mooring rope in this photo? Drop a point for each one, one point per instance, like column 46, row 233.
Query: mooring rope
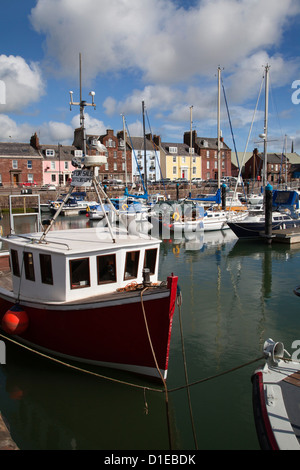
column 158, row 369
column 179, row 303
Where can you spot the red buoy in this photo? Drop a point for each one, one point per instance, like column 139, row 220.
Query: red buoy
column 15, row 321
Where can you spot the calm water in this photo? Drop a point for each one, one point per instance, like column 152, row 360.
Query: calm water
column 235, row 295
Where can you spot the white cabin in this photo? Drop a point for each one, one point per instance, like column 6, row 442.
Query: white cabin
column 72, row 265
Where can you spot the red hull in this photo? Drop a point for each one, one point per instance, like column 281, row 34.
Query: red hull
column 113, row 334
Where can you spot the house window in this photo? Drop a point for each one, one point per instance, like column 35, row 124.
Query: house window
column 110, row 143
column 115, row 166
column 207, row 165
column 66, row 165
column 194, row 170
column 50, row 153
column 53, row 178
column 194, row 159
column 207, row 153
column 131, row 264
column 173, row 149
column 106, row 266
column 115, row 154
column 174, row 159
column 15, row 263
column 183, row 159
column 29, row 164
column 80, row 273
column 46, row 269
column 29, row 266
column 150, row 260
column 216, row 164
column 15, row 164
column 30, row 177
column 174, row 170
column 52, row 165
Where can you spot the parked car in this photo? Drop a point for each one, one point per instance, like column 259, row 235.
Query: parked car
column 197, row 180
column 182, row 181
column 48, row 187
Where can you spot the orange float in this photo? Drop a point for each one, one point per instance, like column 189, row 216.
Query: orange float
column 15, row 321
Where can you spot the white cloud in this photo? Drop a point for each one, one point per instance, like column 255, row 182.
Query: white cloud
column 91, row 124
column 157, row 39
column 23, row 83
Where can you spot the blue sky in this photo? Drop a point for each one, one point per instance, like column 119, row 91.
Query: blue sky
column 165, row 52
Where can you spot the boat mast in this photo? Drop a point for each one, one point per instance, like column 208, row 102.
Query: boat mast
column 265, row 135
column 82, row 104
column 219, row 128
column 124, row 139
column 145, row 154
column 191, row 145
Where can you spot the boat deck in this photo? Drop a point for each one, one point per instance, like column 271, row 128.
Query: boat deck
column 131, row 291
column 291, row 397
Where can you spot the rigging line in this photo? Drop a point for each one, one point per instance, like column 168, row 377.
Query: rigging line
column 142, row 180
column 186, row 375
column 250, row 130
column 275, row 106
column 233, row 139
column 156, row 156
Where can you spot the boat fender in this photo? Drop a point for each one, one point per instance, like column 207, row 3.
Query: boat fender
column 15, row 321
column 273, row 351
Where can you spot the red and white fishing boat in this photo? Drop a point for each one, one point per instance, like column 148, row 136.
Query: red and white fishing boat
column 81, row 295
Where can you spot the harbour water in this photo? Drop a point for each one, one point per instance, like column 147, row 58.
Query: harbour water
column 234, row 296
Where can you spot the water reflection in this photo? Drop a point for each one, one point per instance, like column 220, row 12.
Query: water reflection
column 235, row 295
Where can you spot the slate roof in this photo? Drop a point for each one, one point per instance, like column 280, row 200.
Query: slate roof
column 66, row 152
column 212, row 143
column 137, row 143
column 19, row 150
column 182, row 149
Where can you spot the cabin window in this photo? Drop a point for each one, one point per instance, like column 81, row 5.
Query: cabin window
column 106, row 266
column 80, row 273
column 131, row 264
column 29, row 266
column 15, row 263
column 150, row 260
column 46, row 269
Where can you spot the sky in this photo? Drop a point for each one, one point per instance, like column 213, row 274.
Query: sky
column 163, row 52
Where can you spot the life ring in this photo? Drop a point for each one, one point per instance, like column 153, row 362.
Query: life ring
column 88, row 208
column 124, row 207
column 56, row 205
column 176, row 216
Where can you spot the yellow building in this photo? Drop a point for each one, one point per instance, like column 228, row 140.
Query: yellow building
column 177, row 162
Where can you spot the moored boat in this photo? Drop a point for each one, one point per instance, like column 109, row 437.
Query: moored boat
column 276, row 400
column 81, row 295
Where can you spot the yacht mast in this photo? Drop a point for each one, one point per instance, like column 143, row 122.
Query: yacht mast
column 265, row 135
column 219, row 129
column 191, row 145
